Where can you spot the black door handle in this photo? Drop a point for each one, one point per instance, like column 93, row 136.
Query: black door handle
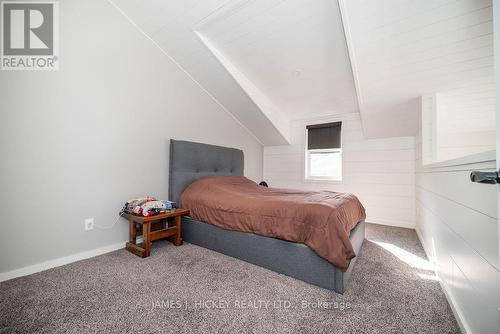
column 485, row 177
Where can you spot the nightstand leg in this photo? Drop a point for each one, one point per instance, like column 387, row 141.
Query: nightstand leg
column 132, row 232
column 178, row 237
column 146, row 236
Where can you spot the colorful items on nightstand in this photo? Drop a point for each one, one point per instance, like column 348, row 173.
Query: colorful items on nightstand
column 147, row 206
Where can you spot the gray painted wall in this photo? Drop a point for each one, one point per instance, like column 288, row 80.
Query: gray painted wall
column 78, row 142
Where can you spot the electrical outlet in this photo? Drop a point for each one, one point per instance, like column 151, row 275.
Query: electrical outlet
column 89, row 224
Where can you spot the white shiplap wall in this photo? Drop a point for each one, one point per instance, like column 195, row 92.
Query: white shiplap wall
column 466, row 119
column 379, row 171
column 457, row 225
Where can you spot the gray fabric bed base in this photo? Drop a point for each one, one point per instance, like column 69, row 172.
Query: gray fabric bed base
column 285, row 257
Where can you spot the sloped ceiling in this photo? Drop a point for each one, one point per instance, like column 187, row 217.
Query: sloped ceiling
column 294, row 51
column 403, row 49
column 268, row 62
column 265, row 61
column 172, row 25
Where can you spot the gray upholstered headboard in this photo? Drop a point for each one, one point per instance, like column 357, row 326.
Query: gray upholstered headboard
column 190, row 161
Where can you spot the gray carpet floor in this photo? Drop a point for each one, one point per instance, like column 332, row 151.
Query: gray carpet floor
column 189, row 289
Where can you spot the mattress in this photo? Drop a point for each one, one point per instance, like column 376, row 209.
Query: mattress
column 321, row 220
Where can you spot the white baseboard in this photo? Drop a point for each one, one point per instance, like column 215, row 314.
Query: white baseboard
column 59, row 261
column 449, row 296
column 391, row 223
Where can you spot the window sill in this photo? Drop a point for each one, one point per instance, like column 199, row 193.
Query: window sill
column 332, row 181
column 467, row 160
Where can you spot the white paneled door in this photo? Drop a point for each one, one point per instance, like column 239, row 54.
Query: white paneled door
column 494, row 177
column 496, row 41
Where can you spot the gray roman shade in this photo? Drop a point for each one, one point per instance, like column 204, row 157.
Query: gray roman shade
column 322, row 136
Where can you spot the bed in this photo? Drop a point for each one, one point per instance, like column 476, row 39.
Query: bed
column 191, row 161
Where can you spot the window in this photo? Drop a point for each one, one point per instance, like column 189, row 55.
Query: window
column 324, row 152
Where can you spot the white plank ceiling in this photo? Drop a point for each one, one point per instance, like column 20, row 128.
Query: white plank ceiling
column 272, row 61
column 403, row 49
column 294, row 51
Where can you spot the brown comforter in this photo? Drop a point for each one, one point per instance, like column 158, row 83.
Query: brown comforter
column 320, row 219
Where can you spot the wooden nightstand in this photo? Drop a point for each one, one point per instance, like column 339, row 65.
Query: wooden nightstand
column 153, row 228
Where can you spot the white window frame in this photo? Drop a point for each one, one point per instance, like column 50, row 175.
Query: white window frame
column 306, row 165
column 309, row 177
